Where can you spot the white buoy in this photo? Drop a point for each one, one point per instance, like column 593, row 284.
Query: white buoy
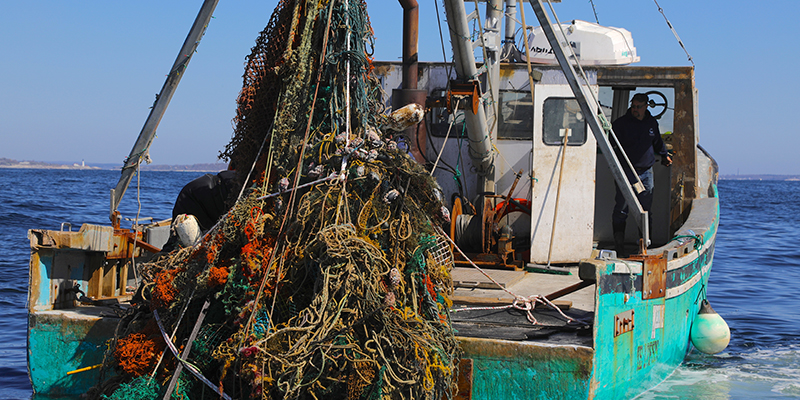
column 187, row 229
column 710, row 333
column 405, row 117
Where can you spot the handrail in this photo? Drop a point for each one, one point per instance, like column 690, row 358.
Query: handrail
column 639, row 214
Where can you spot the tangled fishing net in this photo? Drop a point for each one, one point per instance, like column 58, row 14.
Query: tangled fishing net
column 327, row 278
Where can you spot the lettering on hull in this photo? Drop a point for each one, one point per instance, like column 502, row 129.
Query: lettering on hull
column 646, row 354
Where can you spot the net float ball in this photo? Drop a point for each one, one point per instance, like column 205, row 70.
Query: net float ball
column 710, row 333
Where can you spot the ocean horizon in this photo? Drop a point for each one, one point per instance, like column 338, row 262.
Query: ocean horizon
column 755, row 265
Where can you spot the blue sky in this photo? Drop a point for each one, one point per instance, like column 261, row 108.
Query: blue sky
column 77, row 77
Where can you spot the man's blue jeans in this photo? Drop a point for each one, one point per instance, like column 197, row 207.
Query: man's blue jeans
column 620, row 213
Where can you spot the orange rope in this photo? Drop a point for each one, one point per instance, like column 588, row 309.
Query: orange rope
column 135, row 353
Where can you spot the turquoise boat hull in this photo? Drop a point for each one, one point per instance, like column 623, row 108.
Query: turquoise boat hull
column 628, row 357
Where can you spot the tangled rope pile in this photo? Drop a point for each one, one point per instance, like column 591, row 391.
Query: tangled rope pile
column 309, row 287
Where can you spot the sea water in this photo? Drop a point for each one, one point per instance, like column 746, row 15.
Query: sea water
column 753, row 285
column 44, row 199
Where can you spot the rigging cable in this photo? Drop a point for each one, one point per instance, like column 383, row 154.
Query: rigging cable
column 669, row 24
column 447, row 136
column 441, row 39
column 445, row 165
column 595, row 12
column 595, row 101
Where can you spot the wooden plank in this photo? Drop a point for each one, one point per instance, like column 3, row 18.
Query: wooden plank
column 109, row 282
column 95, row 283
column 468, row 277
column 123, row 278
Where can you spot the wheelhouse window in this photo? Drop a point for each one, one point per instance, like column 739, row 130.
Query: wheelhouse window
column 516, row 116
column 440, row 123
column 562, row 115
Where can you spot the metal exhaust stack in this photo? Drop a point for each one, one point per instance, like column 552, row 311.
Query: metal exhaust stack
column 409, row 93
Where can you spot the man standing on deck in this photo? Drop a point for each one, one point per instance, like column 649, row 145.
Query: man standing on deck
column 638, row 134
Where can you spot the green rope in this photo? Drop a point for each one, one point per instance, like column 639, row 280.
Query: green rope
column 350, row 282
column 142, row 387
column 698, row 241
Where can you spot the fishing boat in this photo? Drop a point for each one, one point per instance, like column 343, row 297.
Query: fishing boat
column 521, row 146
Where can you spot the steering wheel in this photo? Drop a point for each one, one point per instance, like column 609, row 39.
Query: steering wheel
column 653, row 104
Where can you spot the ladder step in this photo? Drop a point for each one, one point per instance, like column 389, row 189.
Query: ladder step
column 476, row 44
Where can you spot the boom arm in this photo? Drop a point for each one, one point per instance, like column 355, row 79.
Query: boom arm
column 148, row 132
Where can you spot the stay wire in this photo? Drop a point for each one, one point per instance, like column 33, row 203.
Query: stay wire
column 446, row 166
column 595, row 12
column 441, row 40
column 447, row 136
column 669, row 24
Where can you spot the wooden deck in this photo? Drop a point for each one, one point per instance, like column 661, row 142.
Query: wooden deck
column 477, row 301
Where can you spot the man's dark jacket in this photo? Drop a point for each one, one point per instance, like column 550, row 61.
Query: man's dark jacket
column 205, row 198
column 640, row 139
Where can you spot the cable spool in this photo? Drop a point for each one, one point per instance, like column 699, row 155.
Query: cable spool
column 710, row 333
column 465, row 229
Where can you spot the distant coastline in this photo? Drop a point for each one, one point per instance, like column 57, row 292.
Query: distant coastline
column 215, row 167
column 760, row 177
column 10, row 163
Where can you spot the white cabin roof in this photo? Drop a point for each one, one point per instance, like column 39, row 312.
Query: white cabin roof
column 593, row 44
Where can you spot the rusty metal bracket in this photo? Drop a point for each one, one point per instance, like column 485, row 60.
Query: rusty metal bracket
column 470, row 90
column 140, row 243
column 654, row 277
column 123, row 247
column 623, row 322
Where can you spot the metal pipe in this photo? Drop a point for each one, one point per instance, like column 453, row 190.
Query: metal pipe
column 408, row 92
column 480, row 147
column 410, row 43
column 509, row 43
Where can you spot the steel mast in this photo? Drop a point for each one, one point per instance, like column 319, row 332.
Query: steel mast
column 142, row 145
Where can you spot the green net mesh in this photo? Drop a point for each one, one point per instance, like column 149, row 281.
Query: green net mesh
column 331, row 288
column 139, row 388
column 145, row 387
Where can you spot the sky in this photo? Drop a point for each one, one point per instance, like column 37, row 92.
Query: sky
column 77, row 78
